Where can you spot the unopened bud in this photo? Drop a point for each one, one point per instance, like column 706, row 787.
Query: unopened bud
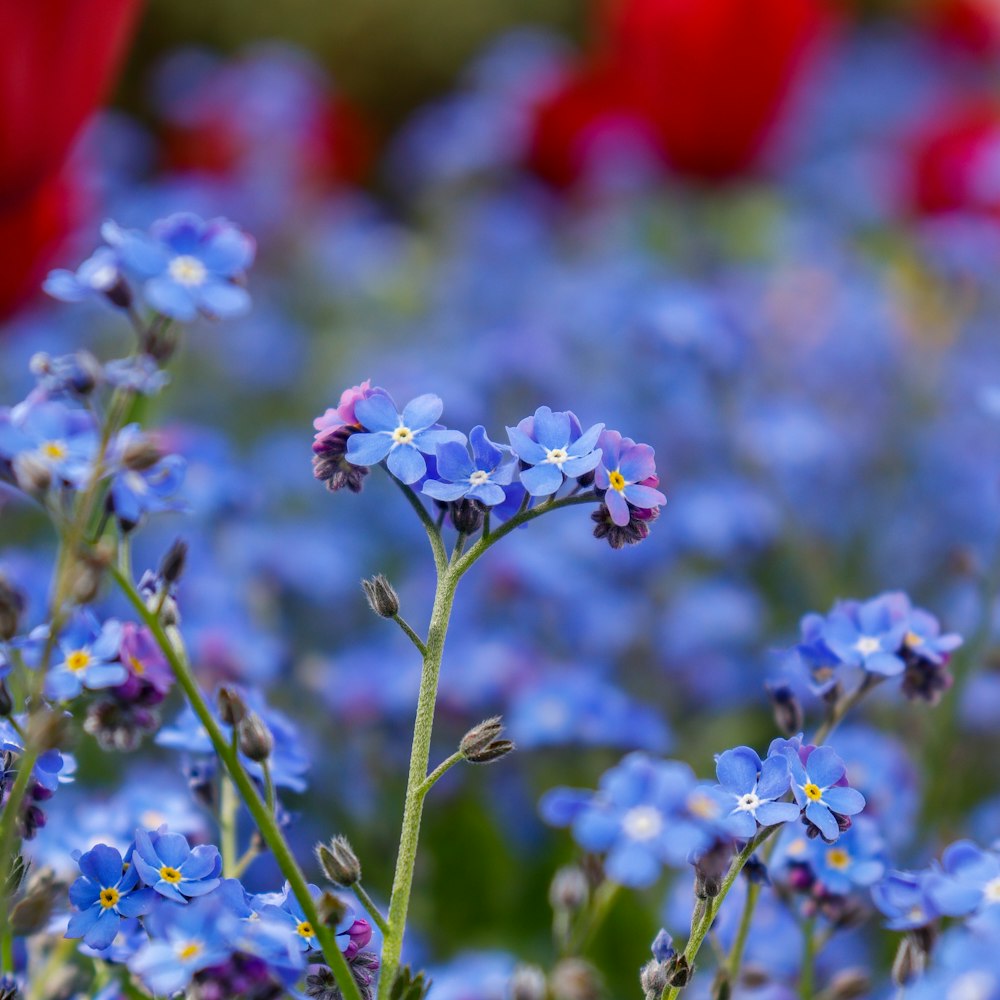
column 339, row 862
column 755, row 872
column 467, row 516
column 232, row 707
column 851, row 984
column 754, row 976
column 331, row 909
column 141, row 454
column 172, row 565
column 382, row 599
column 255, row 738
column 31, row 474
column 680, row 972
column 87, row 572
column 654, row 979
column 47, row 730
column 788, row 715
column 31, row 913
column 11, row 609
column 494, row 751
column 574, row 979
column 909, row 963
column 6, row 701
column 569, row 889
column 527, row 983
column 478, row 738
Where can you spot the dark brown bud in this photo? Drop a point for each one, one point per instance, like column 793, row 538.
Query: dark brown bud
column 788, row 715
column 382, row 599
column 331, row 909
column 31, row 474
column 680, row 972
column 255, row 739
column 339, row 862
column 494, row 751
column 479, row 737
column 6, row 701
column 467, row 516
column 232, row 707
column 11, row 609
column 173, row 562
column 141, row 454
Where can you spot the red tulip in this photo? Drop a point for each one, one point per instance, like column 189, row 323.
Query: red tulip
column 709, row 78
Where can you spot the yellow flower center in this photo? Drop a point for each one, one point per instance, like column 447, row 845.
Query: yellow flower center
column 79, row 659
column 556, row 456
column 913, row 640
column 55, row 450
column 813, row 792
column 838, row 858
column 136, row 666
column 109, row 897
column 187, row 270
column 171, row 875
column 305, row 929
column 189, row 950
column 702, row 806
column 402, row 435
column 616, row 480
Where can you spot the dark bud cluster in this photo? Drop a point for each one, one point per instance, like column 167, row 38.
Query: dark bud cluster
column 467, row 516
column 710, row 868
column 788, row 715
column 381, row 597
column 480, row 745
column 244, row 976
column 77, row 374
column 255, row 738
column 121, row 723
column 330, row 463
column 618, row 536
column 322, row 985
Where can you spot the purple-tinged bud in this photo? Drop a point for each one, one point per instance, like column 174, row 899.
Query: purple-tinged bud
column 710, row 868
column 479, row 737
column 119, row 726
column 467, row 516
column 359, row 933
column 527, row 983
column 11, row 609
column 382, row 599
column 574, row 979
column 232, row 707
column 618, row 536
column 680, row 972
column 255, row 738
column 788, row 715
column 569, row 890
column 495, row 750
column 339, row 862
column 172, row 564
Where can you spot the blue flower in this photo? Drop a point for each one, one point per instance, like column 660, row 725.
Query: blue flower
column 185, row 940
column 627, row 474
column 970, row 879
column 479, row 477
column 140, row 374
column 402, row 437
column 107, row 892
column 143, row 490
column 90, row 657
column 555, row 447
column 904, row 899
column 819, row 786
column 167, row 864
column 62, row 440
column 98, row 276
column 188, row 266
column 869, row 634
column 751, row 789
column 857, row 859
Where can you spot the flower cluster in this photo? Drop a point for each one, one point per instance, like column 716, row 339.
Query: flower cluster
column 648, row 812
column 885, row 636
column 163, row 909
column 52, row 769
column 467, row 476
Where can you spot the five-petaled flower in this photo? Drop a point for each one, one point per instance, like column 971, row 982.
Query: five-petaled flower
column 554, row 447
column 167, row 864
column 89, row 657
column 625, row 473
column 480, row 476
column 751, row 789
column 820, row 788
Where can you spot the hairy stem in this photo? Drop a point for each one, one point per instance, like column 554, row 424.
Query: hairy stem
column 369, row 904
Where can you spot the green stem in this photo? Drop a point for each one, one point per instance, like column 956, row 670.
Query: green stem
column 369, row 904
column 229, row 803
column 7, row 949
column 735, row 958
column 265, row 821
column 603, row 900
column 443, row 768
column 269, row 796
column 808, row 958
column 402, row 882
column 414, row 638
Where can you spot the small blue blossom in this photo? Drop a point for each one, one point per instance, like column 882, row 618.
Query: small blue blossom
column 856, row 860
column 554, row 447
column 59, row 438
column 627, row 474
column 107, row 892
column 167, row 863
column 479, row 477
column 820, row 787
column 140, row 374
column 401, row 438
column 98, row 276
column 136, row 491
column 969, row 879
column 903, row 898
column 187, row 265
column 89, row 657
column 751, row 789
column 185, row 940
column 663, row 946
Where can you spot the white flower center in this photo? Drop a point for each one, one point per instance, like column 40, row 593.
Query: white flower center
column 867, row 644
column 402, row 435
column 991, row 891
column 479, row 477
column 104, row 277
column 747, row 803
column 556, row 456
column 187, row 270
column 642, row 823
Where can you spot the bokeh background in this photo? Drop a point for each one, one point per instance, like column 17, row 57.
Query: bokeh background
column 762, row 235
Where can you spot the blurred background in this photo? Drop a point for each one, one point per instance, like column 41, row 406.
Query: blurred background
column 762, row 235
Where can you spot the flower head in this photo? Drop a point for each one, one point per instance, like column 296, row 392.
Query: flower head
column 751, row 788
column 554, row 447
column 58, row 439
column 480, row 476
column 89, row 657
column 627, row 474
column 99, row 276
column 143, row 486
column 820, row 787
column 167, row 863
